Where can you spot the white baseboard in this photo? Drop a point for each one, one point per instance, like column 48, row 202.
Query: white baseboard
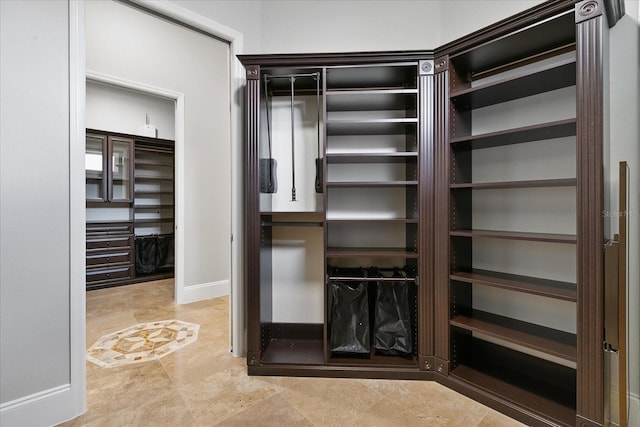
column 634, row 410
column 203, row 291
column 48, row 407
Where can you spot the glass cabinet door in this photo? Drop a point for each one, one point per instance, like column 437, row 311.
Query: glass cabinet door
column 121, row 169
column 95, row 167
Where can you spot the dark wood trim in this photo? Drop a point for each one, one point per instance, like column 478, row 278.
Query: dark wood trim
column 441, row 215
column 591, row 48
column 253, row 230
column 339, row 58
column 426, row 198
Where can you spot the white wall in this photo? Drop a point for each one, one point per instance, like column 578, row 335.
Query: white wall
column 126, row 43
column 112, row 108
column 41, row 245
column 624, row 44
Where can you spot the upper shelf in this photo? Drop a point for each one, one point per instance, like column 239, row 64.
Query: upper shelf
column 371, row 100
column 550, row 34
column 532, row 183
column 371, row 183
column 539, row 132
column 526, row 83
column 397, row 76
column 402, row 126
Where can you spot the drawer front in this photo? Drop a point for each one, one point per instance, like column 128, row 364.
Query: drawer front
column 106, row 258
column 110, row 242
column 103, row 275
column 98, row 230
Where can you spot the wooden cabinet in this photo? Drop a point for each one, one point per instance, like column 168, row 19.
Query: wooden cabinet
column 110, row 254
column 130, row 208
column 109, row 168
column 475, row 172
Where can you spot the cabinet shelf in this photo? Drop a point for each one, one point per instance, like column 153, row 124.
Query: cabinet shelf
column 335, row 252
column 539, row 132
column 294, row 351
column 398, row 126
column 152, row 162
column 513, row 235
column 549, row 341
column 153, row 221
column 526, row 391
column 545, row 36
column 153, row 193
column 152, row 178
column 143, row 207
column 373, row 221
column 561, row 182
column 344, row 184
column 526, row 83
column 371, row 100
column 531, row 285
column 396, row 157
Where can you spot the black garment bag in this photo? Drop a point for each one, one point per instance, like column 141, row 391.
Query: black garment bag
column 349, row 330
column 393, row 333
column 146, row 254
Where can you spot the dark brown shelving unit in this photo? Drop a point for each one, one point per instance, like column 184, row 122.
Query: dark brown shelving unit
column 141, row 184
column 402, row 183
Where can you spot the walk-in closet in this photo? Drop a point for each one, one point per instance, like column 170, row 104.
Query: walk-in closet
column 436, row 214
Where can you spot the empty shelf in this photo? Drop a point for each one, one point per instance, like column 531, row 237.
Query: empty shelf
column 539, row 132
column 561, row 182
column 335, row 252
column 531, row 285
column 397, row 157
column 549, row 341
column 513, row 235
column 371, row 183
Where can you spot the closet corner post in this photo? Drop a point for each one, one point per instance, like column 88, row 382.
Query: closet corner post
column 252, row 213
column 591, row 64
column 425, row 210
column 440, row 212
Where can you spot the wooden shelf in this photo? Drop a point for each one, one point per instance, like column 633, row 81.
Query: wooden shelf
column 539, row 132
column 154, row 193
column 531, row 285
column 512, row 235
column 152, row 162
column 526, row 83
column 390, row 76
column 561, row 182
column 371, row 100
column 372, row 127
column 549, row 341
column 543, row 37
column 335, row 252
column 153, row 221
column 372, row 184
column 294, row 351
column 397, row 157
column 151, row 178
column 143, row 207
column 516, row 388
column 373, row 359
column 373, row 221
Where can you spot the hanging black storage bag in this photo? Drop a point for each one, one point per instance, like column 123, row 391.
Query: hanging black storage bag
column 146, row 254
column 350, row 331
column 392, row 332
column 165, row 256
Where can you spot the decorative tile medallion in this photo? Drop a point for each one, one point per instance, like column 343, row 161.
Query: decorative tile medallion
column 142, row 342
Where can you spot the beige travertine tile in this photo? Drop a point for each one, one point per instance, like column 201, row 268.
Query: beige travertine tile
column 496, row 419
column 272, row 412
column 202, row 384
column 331, row 402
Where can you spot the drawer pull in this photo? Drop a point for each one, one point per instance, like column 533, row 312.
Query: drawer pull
column 108, row 274
column 108, row 243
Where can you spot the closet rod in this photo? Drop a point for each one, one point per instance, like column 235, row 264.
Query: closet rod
column 287, row 76
column 374, row 279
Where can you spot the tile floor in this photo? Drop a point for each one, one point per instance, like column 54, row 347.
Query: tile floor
column 202, row 384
